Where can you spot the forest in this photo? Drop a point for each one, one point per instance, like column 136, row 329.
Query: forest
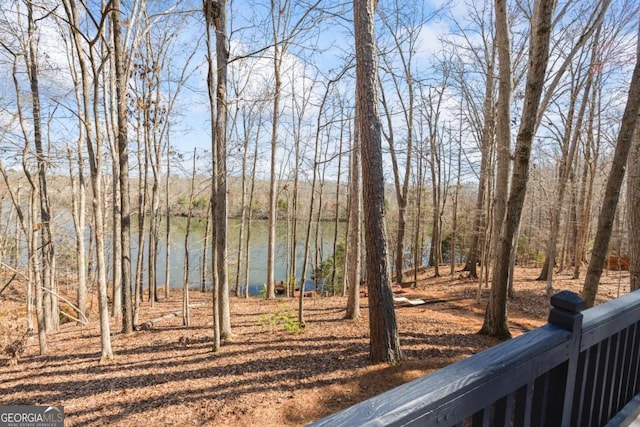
column 373, row 141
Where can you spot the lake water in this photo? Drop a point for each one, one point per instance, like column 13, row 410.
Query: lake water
column 258, row 251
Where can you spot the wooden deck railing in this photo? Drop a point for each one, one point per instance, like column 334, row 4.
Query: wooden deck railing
column 578, row 370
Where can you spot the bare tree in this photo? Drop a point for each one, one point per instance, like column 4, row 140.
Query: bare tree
column 495, row 322
column 613, row 187
column 476, row 53
column 25, row 224
column 289, row 20
column 384, row 342
column 433, row 100
column 23, row 48
column 220, row 167
column 186, row 314
column 404, row 33
column 633, row 210
column 215, row 15
column 121, row 73
column 47, row 246
column 569, row 145
column 503, row 126
column 354, row 247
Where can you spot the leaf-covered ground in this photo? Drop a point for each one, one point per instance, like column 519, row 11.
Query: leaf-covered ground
column 264, row 375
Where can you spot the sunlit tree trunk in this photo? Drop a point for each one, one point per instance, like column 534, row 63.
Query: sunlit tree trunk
column 384, row 341
column 205, row 249
column 278, row 53
column 503, row 135
column 209, row 10
column 336, row 220
column 405, row 53
column 220, row 168
column 78, row 206
column 486, row 130
column 32, row 226
column 307, row 237
column 252, row 192
column 186, row 314
column 46, row 243
column 110, row 105
column 24, row 224
column 353, row 254
column 143, row 173
column 434, row 99
column 613, row 188
column 633, row 209
column 78, row 184
column 570, row 144
column 243, row 207
column 495, row 322
column 456, row 194
column 167, row 234
column 123, row 160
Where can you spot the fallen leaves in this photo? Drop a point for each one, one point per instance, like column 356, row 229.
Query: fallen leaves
column 169, row 375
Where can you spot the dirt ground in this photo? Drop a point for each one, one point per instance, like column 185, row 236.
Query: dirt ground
column 265, row 375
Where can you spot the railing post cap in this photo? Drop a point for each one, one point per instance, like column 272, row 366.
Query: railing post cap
column 567, row 300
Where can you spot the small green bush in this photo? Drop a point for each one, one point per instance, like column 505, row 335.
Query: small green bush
column 282, row 318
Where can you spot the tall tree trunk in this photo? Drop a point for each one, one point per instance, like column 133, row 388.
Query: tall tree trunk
column 272, row 216
column 78, row 206
column 79, row 185
column 220, row 151
column 417, row 230
column 243, row 210
column 307, row 236
column 205, row 249
column 143, row 166
column 35, row 273
column 633, row 203
column 34, row 224
column 252, row 192
column 495, row 322
column 154, row 218
column 210, row 12
column 612, row 189
column 436, row 196
column 384, row 341
column 123, row 161
column 435, row 166
column 21, row 224
column 488, row 129
column 167, row 234
column 454, row 226
column 336, row 220
column 46, row 243
column 354, row 248
column 566, row 164
column 503, row 133
column 587, row 180
column 110, row 104
column 186, row 315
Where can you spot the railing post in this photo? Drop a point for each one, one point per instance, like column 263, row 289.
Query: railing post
column 566, row 314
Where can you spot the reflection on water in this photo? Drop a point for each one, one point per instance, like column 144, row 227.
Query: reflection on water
column 258, row 252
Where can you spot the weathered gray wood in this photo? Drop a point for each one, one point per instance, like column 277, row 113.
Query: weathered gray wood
column 606, row 319
column 631, row 358
column 614, row 378
column 524, row 401
column 635, row 372
column 460, row 390
column 577, row 370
